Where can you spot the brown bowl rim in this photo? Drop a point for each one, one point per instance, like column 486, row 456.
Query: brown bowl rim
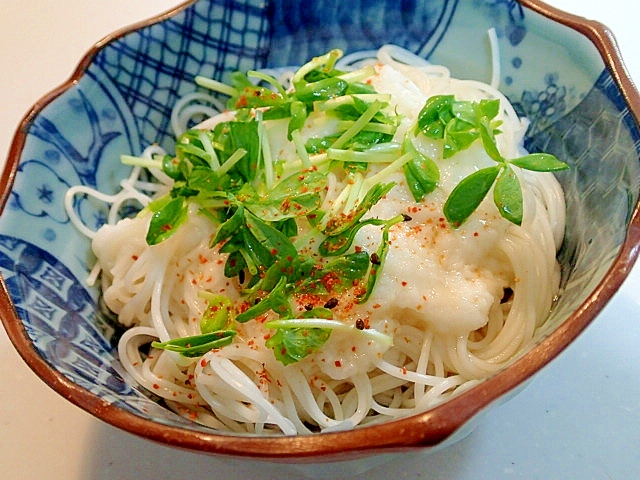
column 427, row 429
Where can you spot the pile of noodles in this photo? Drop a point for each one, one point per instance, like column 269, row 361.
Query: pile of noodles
column 459, row 304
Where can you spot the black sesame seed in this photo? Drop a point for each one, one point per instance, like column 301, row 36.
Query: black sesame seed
column 331, row 303
column 506, row 296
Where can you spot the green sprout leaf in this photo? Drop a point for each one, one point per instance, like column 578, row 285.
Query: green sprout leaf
column 247, row 95
column 197, row 345
column 489, row 143
column 435, row 115
column 422, row 173
column 539, row 162
column 321, row 90
column 343, row 222
column 171, row 166
column 337, row 275
column 165, row 222
column 507, row 195
column 276, row 300
column 273, row 240
column 377, row 261
column 468, row 194
column 340, row 243
column 298, row 112
column 295, row 196
column 230, row 227
column 290, row 345
column 218, row 315
column 244, row 135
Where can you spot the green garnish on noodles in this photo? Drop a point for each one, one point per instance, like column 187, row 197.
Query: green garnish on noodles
column 229, row 174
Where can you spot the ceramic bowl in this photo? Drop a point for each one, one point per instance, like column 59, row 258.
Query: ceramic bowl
column 561, row 71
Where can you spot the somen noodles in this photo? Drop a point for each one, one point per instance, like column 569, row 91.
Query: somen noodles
column 348, row 243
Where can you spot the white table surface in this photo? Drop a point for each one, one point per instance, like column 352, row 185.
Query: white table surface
column 580, row 418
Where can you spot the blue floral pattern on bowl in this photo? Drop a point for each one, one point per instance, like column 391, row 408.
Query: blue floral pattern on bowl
column 122, row 104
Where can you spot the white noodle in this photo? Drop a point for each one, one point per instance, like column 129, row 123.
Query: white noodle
column 184, row 111
column 353, row 379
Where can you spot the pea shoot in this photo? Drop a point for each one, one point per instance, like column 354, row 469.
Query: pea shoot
column 259, row 202
column 461, row 123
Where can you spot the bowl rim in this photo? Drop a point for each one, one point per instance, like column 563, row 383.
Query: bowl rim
column 426, row 429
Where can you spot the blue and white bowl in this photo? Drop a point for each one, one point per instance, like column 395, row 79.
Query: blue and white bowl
column 582, row 106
